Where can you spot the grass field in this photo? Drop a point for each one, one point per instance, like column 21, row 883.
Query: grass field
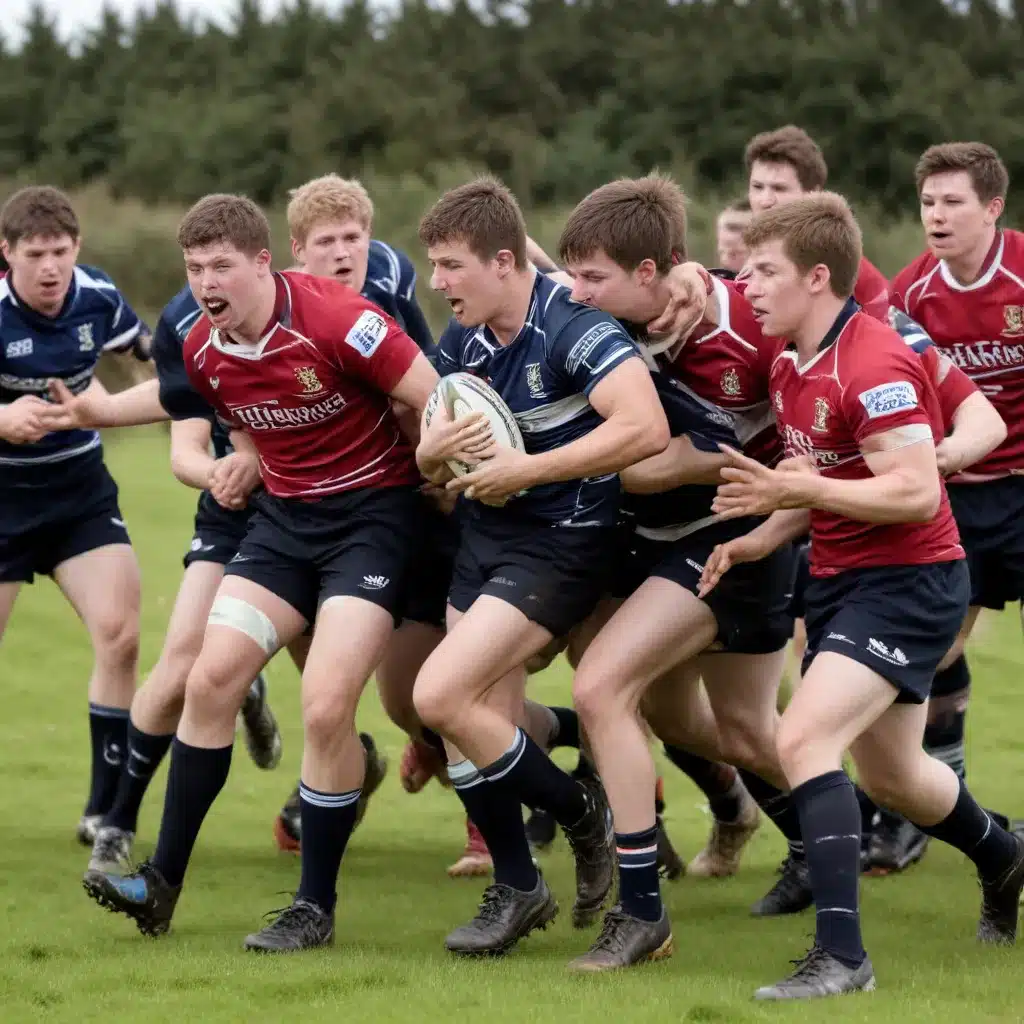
column 62, row 959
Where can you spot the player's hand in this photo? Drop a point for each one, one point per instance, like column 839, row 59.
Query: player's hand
column 23, row 422
column 948, row 458
column 68, row 411
column 234, row 478
column 439, row 496
column 752, row 489
column 496, row 479
column 724, row 556
column 467, row 439
column 687, row 303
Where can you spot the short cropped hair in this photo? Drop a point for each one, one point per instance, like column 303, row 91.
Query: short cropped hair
column 816, row 228
column 988, row 174
column 329, row 198
column 790, row 145
column 219, row 217
column 482, row 213
column 38, row 210
column 631, row 220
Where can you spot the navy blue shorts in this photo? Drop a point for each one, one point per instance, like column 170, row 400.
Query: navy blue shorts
column 355, row 544
column 554, row 575
column 752, row 600
column 899, row 620
column 990, row 517
column 430, row 574
column 53, row 512
column 218, row 532
column 801, row 577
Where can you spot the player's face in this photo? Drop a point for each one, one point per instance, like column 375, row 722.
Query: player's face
column 732, row 253
column 772, row 183
column 474, row 288
column 41, row 270
column 777, row 290
column 336, row 248
column 955, row 220
column 226, row 282
column 600, row 282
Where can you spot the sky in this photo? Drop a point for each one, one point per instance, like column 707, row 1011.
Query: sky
column 74, row 15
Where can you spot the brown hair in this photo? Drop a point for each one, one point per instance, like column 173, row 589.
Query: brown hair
column 631, row 220
column 225, row 218
column 38, row 210
column 482, row 213
column 790, row 145
column 818, row 228
column 988, row 174
column 329, row 198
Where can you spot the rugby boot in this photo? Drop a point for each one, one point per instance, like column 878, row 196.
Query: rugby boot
column 505, row 916
column 625, row 941
column 820, row 974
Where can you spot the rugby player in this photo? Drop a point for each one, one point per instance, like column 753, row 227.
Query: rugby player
column 306, row 369
column 530, row 566
column 619, row 244
column 889, row 588
column 60, row 515
column 967, row 292
column 732, row 254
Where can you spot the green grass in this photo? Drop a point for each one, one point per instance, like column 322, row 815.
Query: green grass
column 62, row 959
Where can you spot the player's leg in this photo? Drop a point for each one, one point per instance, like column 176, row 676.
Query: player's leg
column 247, row 624
column 155, row 711
column 8, row 595
column 660, row 625
column 102, row 585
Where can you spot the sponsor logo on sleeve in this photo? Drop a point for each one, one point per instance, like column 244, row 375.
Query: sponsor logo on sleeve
column 886, row 399
column 367, row 333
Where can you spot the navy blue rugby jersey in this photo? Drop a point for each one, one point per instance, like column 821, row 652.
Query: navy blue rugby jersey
column 545, row 375
column 707, row 426
column 391, row 284
column 35, row 348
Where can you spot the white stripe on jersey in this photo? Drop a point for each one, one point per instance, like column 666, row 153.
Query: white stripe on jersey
column 554, row 414
column 61, row 456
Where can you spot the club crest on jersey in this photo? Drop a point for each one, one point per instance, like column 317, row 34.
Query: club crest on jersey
column 821, row 411
column 778, row 402
column 1014, row 317
column 730, row 383
column 306, row 376
column 86, row 342
column 215, row 383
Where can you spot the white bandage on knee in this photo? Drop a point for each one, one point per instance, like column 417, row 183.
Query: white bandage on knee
column 235, row 613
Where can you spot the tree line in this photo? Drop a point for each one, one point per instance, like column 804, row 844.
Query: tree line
column 554, row 96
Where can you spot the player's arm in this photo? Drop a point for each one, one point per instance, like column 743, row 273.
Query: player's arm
column 633, row 428
column 682, row 462
column 191, row 460
column 96, row 408
column 975, row 426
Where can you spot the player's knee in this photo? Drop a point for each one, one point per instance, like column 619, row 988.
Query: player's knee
column 747, row 745
column 435, row 703
column 327, row 717
column 593, row 693
column 796, row 742
column 115, row 638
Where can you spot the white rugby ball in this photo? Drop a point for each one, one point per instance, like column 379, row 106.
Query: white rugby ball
column 464, row 394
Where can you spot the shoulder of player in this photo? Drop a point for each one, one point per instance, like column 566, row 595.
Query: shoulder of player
column 867, row 347
column 912, row 277
column 197, row 336
column 96, row 285
column 868, row 272
column 388, row 267
column 324, row 304
column 577, row 328
column 1012, row 262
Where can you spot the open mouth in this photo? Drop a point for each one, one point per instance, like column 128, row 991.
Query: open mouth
column 939, row 236
column 344, row 273
column 457, row 305
column 215, row 307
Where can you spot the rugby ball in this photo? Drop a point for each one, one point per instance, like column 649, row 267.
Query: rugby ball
column 464, row 394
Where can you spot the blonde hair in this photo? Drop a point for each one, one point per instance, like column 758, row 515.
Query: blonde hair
column 328, row 198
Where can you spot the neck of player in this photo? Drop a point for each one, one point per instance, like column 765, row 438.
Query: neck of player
column 968, row 266
column 508, row 321
column 254, row 326
column 810, row 333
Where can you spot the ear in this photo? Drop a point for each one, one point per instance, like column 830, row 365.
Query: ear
column 994, row 209
column 819, row 279
column 77, row 247
column 506, row 261
column 5, row 248
column 263, row 259
column 297, row 251
column 646, row 272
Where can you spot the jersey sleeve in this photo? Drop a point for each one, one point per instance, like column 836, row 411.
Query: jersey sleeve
column 127, row 330
column 952, row 385
column 373, row 349
column 177, row 395
column 589, row 347
column 409, row 311
column 872, row 290
column 885, row 392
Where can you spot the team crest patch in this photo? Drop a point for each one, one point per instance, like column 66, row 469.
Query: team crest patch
column 306, row 376
column 731, row 382
column 821, row 411
column 86, row 342
column 1014, row 317
column 215, row 383
column 886, row 399
column 367, row 333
